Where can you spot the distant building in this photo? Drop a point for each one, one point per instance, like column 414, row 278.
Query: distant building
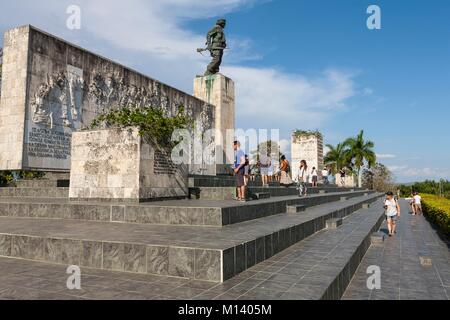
column 307, row 145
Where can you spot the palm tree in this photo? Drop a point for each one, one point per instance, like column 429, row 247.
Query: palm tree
column 360, row 152
column 337, row 157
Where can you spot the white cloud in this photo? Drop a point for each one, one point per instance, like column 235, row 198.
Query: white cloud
column 152, row 36
column 275, row 99
column 385, row 156
column 405, row 171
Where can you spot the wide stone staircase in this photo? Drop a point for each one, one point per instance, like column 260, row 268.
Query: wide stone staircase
column 208, row 236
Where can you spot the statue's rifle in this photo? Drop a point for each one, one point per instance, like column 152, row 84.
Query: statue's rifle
column 201, row 50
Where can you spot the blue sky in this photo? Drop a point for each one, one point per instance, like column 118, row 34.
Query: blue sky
column 296, row 64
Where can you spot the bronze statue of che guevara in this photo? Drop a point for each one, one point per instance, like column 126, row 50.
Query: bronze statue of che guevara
column 215, row 44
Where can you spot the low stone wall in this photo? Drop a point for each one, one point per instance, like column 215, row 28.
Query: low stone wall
column 118, row 165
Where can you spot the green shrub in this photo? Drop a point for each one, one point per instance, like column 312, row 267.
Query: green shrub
column 7, row 177
column 438, row 210
column 151, row 122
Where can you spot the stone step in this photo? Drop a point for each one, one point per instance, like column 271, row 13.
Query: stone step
column 42, row 183
column 229, row 193
column 262, row 195
column 204, row 213
column 57, row 175
column 296, row 208
column 212, row 254
column 45, row 192
column 335, row 222
column 319, row 267
column 217, row 181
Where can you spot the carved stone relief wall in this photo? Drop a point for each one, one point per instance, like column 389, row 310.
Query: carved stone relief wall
column 1, row 62
column 69, row 86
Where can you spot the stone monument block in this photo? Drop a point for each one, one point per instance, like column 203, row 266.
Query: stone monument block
column 51, row 88
column 218, row 90
column 119, row 165
column 307, row 146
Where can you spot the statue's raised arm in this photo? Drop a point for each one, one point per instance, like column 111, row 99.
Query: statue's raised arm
column 215, row 44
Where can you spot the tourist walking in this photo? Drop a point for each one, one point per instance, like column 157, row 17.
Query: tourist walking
column 314, row 176
column 265, row 165
column 274, row 172
column 392, row 212
column 302, row 179
column 239, row 170
column 246, row 171
column 411, row 204
column 285, row 169
column 417, row 203
column 398, row 194
column 342, row 175
column 325, row 174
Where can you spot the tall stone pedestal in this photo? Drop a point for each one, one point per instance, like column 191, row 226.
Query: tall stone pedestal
column 308, row 147
column 218, row 91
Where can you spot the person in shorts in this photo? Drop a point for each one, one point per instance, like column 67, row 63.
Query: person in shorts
column 392, row 212
column 265, row 164
column 417, row 203
column 239, row 170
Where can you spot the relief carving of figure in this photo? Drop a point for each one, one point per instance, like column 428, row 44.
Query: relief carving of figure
column 111, row 90
column 58, row 101
column 40, row 106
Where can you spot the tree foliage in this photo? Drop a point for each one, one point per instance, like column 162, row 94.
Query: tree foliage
column 378, row 178
column 8, row 177
column 337, row 157
column 428, row 186
column 270, row 147
column 353, row 154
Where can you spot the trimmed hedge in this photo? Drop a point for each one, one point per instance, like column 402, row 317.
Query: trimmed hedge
column 438, row 210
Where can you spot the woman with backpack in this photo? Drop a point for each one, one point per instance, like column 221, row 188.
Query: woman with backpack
column 392, row 212
column 285, row 169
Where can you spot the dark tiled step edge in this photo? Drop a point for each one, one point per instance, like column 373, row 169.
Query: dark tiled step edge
column 186, row 262
column 241, row 257
column 162, row 215
column 337, row 288
column 229, row 193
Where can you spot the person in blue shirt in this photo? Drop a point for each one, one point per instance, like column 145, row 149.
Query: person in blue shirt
column 239, row 170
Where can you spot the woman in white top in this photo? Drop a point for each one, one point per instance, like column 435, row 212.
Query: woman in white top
column 417, row 203
column 303, row 179
column 392, row 212
column 314, row 176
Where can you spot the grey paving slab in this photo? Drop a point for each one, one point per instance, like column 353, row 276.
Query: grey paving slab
column 403, row 276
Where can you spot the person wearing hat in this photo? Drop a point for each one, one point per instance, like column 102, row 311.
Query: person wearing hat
column 216, row 44
column 392, row 212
